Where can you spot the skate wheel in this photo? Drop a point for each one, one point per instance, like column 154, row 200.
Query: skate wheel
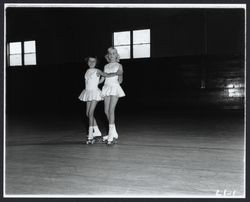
column 90, row 142
column 97, row 139
column 114, row 141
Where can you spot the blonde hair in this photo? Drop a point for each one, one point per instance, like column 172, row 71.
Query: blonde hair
column 117, row 59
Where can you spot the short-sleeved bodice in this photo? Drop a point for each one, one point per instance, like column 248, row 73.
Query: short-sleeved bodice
column 112, row 85
column 111, row 68
column 91, row 91
column 91, row 79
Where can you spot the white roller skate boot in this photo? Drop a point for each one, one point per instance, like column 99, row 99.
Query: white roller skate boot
column 90, row 139
column 105, row 138
column 112, row 137
column 115, row 133
column 97, row 134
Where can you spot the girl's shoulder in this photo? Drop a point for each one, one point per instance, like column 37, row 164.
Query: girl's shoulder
column 97, row 70
column 92, row 69
column 87, row 70
column 114, row 64
column 119, row 65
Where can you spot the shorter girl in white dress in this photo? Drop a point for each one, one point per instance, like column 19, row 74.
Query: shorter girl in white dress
column 91, row 95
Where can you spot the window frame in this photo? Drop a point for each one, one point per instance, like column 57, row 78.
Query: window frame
column 22, row 54
column 138, row 44
column 131, row 45
column 9, row 54
column 28, row 53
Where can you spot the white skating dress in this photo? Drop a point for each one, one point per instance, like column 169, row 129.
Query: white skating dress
column 91, row 91
column 112, row 85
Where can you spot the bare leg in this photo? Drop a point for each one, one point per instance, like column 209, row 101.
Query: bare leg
column 95, row 124
column 112, row 105
column 87, row 112
column 112, row 130
column 87, row 108
column 91, row 112
column 106, row 110
column 106, row 106
column 88, row 104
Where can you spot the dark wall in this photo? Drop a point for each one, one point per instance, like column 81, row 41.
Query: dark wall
column 67, row 35
column 188, row 47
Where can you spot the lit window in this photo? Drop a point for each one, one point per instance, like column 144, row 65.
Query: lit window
column 15, row 54
column 29, row 53
column 22, row 53
column 138, row 43
column 122, row 44
column 141, row 43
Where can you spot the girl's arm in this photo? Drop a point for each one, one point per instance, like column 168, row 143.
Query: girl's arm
column 120, row 79
column 101, row 73
column 101, row 80
column 120, row 74
column 119, row 71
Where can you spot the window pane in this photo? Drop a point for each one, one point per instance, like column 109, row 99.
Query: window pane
column 30, row 59
column 141, row 36
column 15, row 48
column 29, row 47
column 141, row 51
column 16, row 60
column 123, row 51
column 121, row 38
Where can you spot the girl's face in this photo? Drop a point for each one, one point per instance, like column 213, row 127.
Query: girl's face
column 92, row 62
column 112, row 55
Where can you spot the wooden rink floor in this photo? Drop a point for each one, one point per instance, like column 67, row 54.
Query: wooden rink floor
column 156, row 156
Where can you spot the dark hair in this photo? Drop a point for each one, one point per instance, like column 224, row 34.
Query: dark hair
column 87, row 59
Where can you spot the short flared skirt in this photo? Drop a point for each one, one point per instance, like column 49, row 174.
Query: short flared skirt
column 115, row 90
column 90, row 95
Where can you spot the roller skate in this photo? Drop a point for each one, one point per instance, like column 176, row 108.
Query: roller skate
column 96, row 136
column 90, row 138
column 105, row 138
column 90, row 141
column 113, row 136
column 94, row 140
column 109, row 140
column 112, row 141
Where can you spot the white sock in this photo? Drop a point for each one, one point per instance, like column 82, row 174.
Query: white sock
column 115, row 132
column 90, row 129
column 111, row 126
column 114, row 128
column 96, row 129
column 97, row 132
column 90, row 135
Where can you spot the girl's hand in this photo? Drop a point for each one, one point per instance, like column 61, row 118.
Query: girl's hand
column 100, row 73
column 101, row 80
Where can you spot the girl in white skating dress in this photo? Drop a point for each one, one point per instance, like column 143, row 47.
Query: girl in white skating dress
column 91, row 95
column 112, row 91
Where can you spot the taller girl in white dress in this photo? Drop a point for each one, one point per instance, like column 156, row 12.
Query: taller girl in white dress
column 112, row 91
